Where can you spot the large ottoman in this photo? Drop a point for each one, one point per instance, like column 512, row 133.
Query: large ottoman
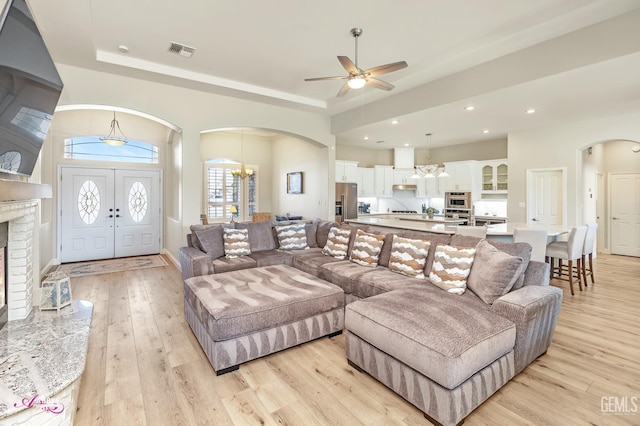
column 446, row 354
column 242, row 315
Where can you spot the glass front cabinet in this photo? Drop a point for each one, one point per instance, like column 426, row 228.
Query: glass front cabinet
column 494, row 177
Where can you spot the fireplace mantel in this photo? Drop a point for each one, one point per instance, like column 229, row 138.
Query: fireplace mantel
column 12, row 190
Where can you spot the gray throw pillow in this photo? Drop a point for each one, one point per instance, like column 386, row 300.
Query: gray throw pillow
column 210, row 241
column 493, row 272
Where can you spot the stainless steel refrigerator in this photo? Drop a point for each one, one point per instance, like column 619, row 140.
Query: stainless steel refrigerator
column 346, row 201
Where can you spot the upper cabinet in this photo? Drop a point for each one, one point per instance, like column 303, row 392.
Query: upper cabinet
column 463, row 176
column 366, row 182
column 346, row 171
column 383, row 177
column 403, row 177
column 494, row 176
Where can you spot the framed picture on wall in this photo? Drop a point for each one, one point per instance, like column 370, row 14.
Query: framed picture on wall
column 294, row 183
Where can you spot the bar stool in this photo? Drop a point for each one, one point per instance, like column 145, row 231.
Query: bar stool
column 570, row 250
column 537, row 238
column 589, row 243
column 472, row 231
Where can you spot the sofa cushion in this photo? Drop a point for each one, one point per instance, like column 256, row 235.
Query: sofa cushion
column 408, row 256
column 260, row 235
column 493, row 272
column 343, row 274
column 310, row 260
column 522, row 250
column 451, row 267
column 463, row 335
column 380, row 280
column 311, row 228
column 224, row 264
column 324, row 226
column 366, row 248
column 292, row 237
column 434, row 238
column 337, row 243
column 210, row 241
column 236, row 243
column 271, row 257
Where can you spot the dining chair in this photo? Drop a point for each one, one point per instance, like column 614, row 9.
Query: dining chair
column 537, row 238
column 587, row 251
column 570, row 250
column 472, row 231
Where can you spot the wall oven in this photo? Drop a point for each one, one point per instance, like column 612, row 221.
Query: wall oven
column 457, row 200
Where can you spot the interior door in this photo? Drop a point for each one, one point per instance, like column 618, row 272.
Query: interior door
column 545, row 199
column 107, row 213
column 137, row 212
column 625, row 214
column 86, row 214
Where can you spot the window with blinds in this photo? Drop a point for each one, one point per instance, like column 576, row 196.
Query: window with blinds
column 228, row 195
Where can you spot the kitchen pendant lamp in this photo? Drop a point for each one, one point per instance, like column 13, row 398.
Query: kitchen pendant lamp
column 112, row 138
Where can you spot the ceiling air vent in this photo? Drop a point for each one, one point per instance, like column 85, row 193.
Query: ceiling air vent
column 181, row 49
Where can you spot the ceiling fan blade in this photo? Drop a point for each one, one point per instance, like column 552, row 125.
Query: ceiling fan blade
column 344, row 89
column 326, row 78
column 379, row 84
column 348, row 65
column 387, row 68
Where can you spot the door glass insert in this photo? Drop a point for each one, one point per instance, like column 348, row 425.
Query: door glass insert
column 88, row 201
column 138, row 201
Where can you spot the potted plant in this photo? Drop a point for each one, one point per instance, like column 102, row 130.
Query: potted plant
column 430, row 212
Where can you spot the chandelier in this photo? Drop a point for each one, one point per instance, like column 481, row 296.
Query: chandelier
column 112, row 138
column 430, row 170
column 242, row 172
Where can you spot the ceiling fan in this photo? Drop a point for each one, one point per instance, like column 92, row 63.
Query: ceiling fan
column 358, row 78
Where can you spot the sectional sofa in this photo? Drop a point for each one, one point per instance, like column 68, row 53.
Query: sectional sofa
column 443, row 320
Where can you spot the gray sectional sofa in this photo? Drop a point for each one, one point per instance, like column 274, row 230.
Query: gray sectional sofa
column 445, row 353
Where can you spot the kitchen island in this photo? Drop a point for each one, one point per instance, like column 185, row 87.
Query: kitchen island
column 499, row 232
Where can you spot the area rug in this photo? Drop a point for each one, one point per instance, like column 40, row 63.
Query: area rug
column 111, row 265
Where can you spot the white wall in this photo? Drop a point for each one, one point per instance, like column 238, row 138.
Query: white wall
column 561, row 146
column 192, row 111
column 295, row 155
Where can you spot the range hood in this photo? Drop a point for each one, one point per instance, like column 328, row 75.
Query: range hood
column 403, row 160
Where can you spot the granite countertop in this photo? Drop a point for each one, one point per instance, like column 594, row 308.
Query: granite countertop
column 42, row 354
column 499, row 230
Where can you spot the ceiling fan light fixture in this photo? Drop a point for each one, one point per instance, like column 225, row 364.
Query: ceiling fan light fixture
column 357, row 82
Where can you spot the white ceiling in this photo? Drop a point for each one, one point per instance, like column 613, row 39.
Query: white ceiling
column 569, row 59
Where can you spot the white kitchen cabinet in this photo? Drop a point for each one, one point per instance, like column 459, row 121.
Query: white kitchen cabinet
column 403, row 177
column 383, row 177
column 463, row 176
column 346, row 171
column 366, row 182
column 494, row 176
column 435, row 186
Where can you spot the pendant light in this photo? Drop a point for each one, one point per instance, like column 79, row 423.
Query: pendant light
column 112, row 138
column 242, row 172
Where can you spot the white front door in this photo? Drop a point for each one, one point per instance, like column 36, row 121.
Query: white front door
column 545, row 199
column 137, row 212
column 107, row 213
column 86, row 214
column 625, row 214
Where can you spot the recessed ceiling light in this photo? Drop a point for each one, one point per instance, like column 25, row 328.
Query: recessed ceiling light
column 530, row 111
column 394, row 122
column 406, row 144
column 366, row 138
column 485, row 131
column 469, row 108
column 124, row 49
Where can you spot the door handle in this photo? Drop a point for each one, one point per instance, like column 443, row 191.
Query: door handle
column 614, row 218
column 534, row 219
column 117, row 215
column 110, row 216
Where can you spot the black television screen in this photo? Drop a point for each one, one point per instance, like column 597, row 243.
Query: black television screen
column 29, row 89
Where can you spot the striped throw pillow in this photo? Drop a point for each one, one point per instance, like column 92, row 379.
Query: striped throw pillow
column 451, row 267
column 236, row 243
column 292, row 237
column 409, row 256
column 366, row 248
column 337, row 243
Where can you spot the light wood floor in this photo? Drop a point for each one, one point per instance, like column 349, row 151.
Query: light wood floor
column 144, row 365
